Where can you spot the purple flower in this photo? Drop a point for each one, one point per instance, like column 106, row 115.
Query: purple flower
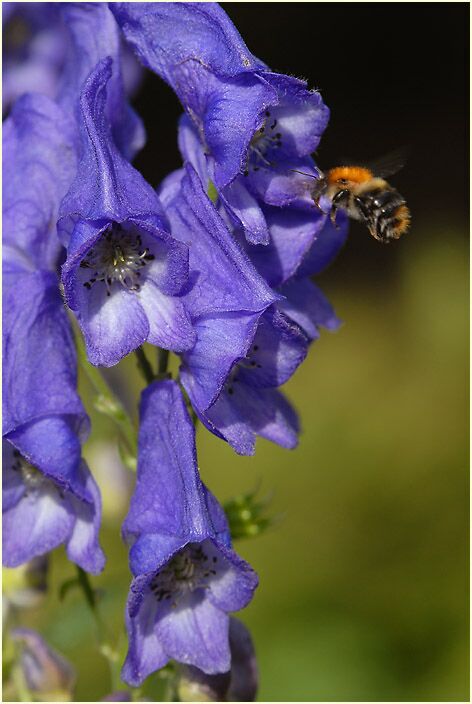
column 248, row 120
column 39, row 162
column 249, row 403
column 226, row 297
column 92, row 36
column 303, row 301
column 186, row 576
column 49, row 495
column 123, row 272
column 47, row 673
column 237, row 685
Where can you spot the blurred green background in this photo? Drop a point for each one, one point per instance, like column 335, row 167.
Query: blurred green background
column 364, row 580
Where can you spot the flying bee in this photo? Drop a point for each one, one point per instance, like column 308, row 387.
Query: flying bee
column 364, row 195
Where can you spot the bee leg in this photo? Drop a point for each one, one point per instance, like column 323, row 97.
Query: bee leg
column 340, row 196
column 362, row 207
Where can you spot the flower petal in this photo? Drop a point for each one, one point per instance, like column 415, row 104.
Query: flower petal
column 169, row 324
column 83, row 547
column 307, row 305
column 196, row 633
column 38, row 523
column 145, row 653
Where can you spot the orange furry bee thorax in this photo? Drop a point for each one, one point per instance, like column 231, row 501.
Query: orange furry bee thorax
column 355, row 174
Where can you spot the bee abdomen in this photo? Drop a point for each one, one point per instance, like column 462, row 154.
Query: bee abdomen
column 387, row 213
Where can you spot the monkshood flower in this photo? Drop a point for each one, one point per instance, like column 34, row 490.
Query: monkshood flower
column 49, row 495
column 254, row 126
column 303, row 301
column 123, row 271
column 226, row 296
column 250, row 403
column 238, row 361
column 92, row 36
column 220, row 304
column 237, row 685
column 186, row 576
column 48, row 675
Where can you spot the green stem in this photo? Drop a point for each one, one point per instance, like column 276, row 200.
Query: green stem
column 24, row 694
column 144, row 366
column 105, row 401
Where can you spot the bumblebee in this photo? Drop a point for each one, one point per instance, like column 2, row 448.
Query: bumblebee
column 365, row 195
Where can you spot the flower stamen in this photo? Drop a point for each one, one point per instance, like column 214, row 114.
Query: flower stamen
column 117, row 257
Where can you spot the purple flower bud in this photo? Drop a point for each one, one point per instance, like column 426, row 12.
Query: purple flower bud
column 48, row 674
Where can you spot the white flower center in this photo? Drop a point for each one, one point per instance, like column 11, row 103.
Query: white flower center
column 119, row 256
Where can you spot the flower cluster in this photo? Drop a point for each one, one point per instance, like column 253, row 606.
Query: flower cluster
column 215, row 266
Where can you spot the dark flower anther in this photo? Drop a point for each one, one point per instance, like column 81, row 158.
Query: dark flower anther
column 118, row 257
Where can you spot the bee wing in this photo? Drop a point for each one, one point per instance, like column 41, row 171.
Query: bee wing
column 389, row 164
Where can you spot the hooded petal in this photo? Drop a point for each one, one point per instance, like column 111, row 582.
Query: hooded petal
column 198, row 51
column 168, row 498
column 39, row 164
column 221, row 340
column 92, row 36
column 39, row 359
column 51, row 444
column 224, row 280
column 112, row 189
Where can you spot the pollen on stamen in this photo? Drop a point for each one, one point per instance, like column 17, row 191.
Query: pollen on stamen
column 118, row 257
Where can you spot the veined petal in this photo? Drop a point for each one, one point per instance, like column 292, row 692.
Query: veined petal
column 233, row 586
column 93, row 36
column 326, row 246
column 292, row 233
column 83, row 547
column 248, row 412
column 168, row 498
column 301, row 115
column 112, row 325
column 169, row 324
column 145, row 652
column 277, row 350
column 196, row 633
column 221, row 340
column 39, row 164
column 245, row 211
column 38, row 523
column 307, row 305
